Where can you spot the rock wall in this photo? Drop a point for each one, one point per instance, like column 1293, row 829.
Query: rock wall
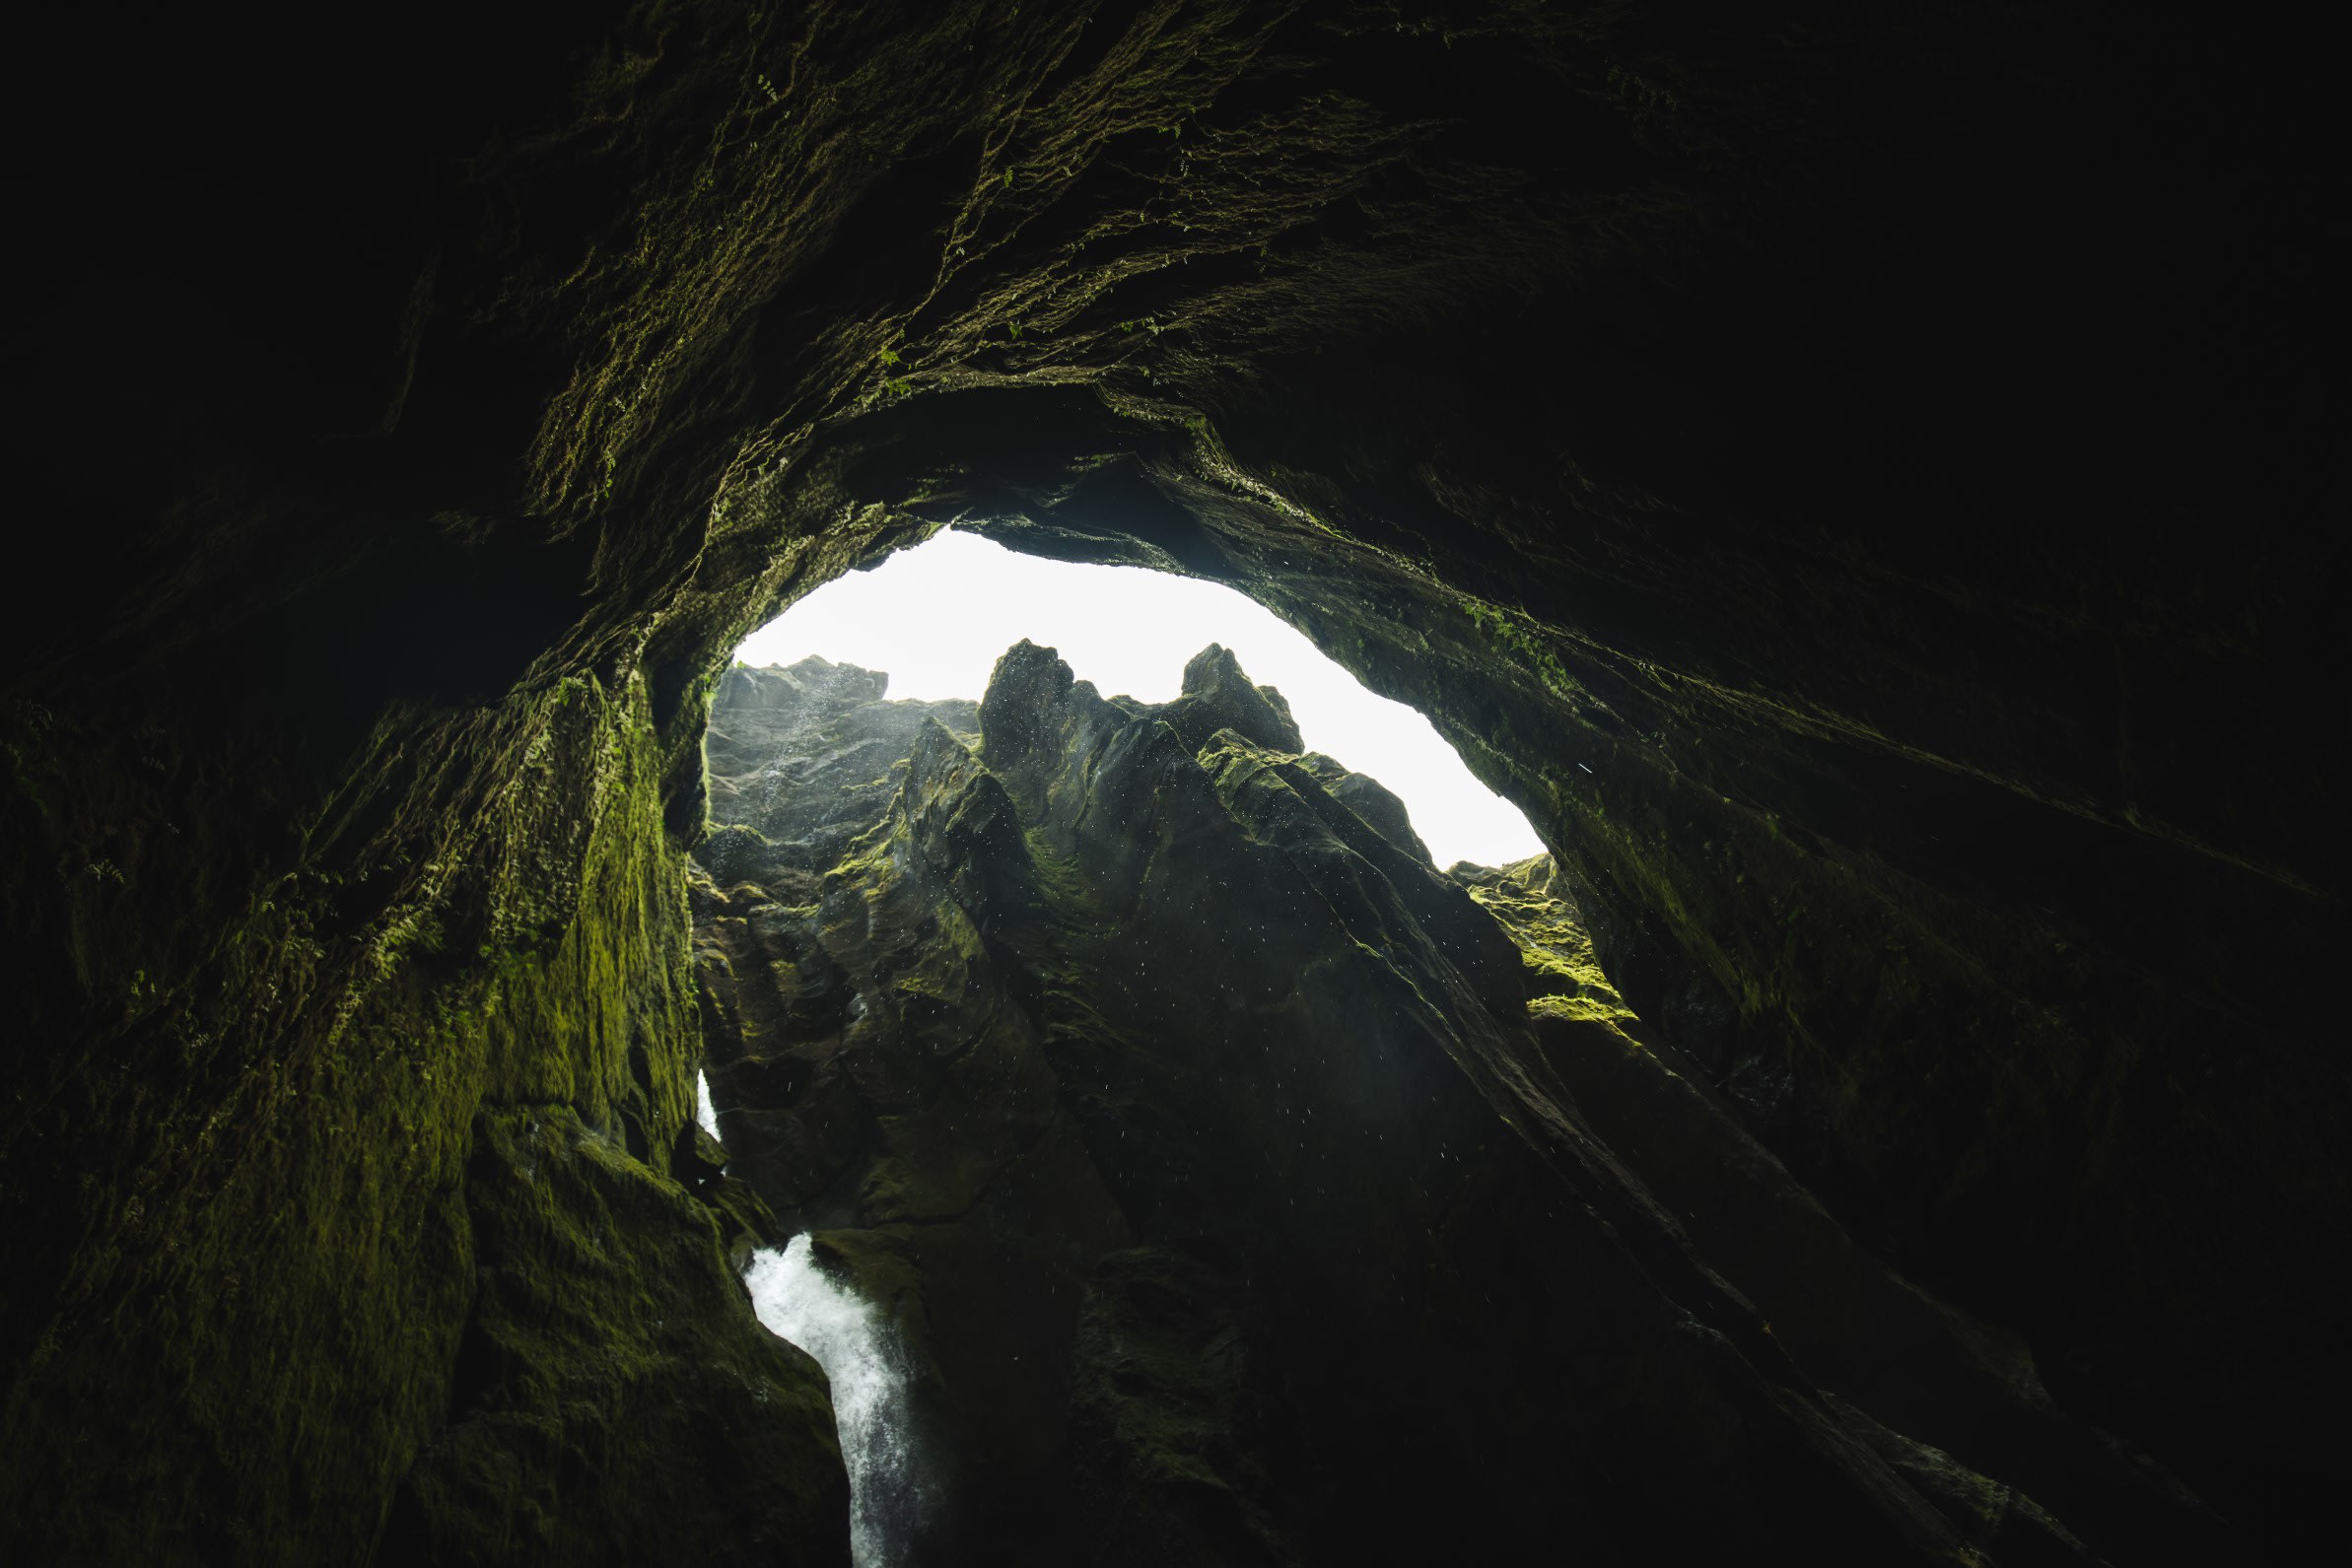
column 1859, row 477
column 1245, row 1190
column 427, row 1281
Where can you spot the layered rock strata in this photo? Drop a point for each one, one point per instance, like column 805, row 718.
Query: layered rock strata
column 1248, row 1191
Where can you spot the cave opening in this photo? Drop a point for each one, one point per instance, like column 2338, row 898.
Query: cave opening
column 826, row 736
column 1748, row 444
column 1061, row 1039
column 935, row 617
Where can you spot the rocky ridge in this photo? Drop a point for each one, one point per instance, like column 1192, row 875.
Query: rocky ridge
column 1248, row 1191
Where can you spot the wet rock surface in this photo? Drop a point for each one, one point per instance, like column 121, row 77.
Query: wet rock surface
column 1249, row 1192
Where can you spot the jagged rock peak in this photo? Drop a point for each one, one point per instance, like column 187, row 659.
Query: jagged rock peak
column 1026, row 671
column 1033, row 695
column 1032, row 683
column 1028, row 685
column 1369, row 799
column 1218, row 696
column 799, row 760
column 813, row 681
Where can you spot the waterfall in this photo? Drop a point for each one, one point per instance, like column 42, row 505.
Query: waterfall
column 704, row 1111
column 862, row 1356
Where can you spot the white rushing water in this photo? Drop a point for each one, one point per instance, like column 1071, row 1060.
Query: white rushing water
column 704, row 1111
column 862, row 1356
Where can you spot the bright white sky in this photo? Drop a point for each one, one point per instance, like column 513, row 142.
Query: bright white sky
column 936, row 617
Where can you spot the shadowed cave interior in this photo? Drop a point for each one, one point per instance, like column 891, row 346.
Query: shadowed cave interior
column 1852, row 476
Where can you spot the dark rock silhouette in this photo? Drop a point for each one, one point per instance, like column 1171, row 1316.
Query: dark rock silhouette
column 1159, row 1097
column 1863, row 479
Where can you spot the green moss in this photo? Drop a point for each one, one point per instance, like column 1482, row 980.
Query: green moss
column 1515, row 633
column 579, row 1360
column 1564, row 979
column 301, row 1259
column 688, row 280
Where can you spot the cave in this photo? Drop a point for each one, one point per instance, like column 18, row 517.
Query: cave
column 1857, row 478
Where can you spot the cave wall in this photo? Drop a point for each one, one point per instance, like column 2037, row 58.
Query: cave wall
column 1850, row 473
column 402, row 1264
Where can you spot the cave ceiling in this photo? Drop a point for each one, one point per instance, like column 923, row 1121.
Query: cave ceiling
column 1865, row 480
